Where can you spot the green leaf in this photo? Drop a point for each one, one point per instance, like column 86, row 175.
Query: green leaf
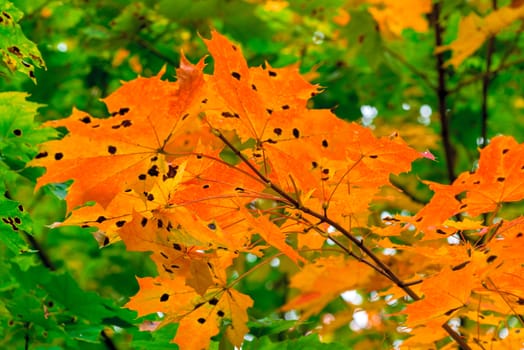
column 268, row 326
column 18, row 53
column 12, row 221
column 19, row 134
column 63, row 289
column 310, row 342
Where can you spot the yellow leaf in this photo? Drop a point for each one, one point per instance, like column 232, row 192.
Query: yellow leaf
column 394, row 16
column 474, row 30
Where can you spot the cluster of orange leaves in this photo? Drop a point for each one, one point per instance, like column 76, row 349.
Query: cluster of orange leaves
column 180, row 169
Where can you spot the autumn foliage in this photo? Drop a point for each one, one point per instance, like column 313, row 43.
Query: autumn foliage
column 204, row 170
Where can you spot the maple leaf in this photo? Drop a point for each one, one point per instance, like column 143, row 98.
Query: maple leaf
column 324, row 279
column 244, row 99
column 474, row 30
column 199, row 317
column 497, row 180
column 395, row 16
column 149, row 117
column 164, row 184
column 444, row 293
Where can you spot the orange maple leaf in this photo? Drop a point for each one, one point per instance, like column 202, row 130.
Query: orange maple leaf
column 149, row 117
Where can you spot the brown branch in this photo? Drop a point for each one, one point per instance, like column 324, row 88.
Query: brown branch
column 46, row 261
column 485, row 87
column 456, row 337
column 481, row 76
column 35, row 245
column 407, row 192
column 108, row 341
column 323, row 218
column 442, row 94
column 387, row 272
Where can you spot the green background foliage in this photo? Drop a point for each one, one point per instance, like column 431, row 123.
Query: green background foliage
column 59, row 290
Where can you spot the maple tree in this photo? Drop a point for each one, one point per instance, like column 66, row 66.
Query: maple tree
column 251, row 218
column 155, row 171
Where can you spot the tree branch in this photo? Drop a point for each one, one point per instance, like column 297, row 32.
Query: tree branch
column 387, row 272
column 46, row 261
column 485, row 87
column 35, row 245
column 481, row 76
column 442, row 95
column 456, row 337
column 412, row 196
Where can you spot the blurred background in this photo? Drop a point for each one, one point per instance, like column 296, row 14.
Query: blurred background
column 445, row 74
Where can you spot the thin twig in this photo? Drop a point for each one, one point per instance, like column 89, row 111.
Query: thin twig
column 481, row 76
column 46, row 261
column 146, row 45
column 358, row 258
column 420, row 74
column 407, row 192
column 26, row 336
column 442, row 95
column 456, row 337
column 485, row 87
column 35, row 245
